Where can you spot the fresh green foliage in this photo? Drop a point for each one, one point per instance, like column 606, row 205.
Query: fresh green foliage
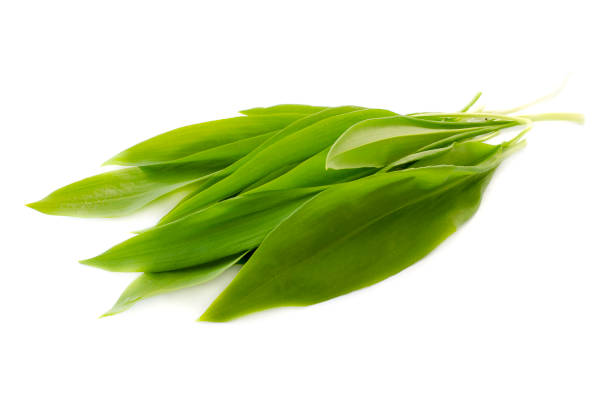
column 379, row 142
column 327, row 247
column 315, row 201
column 116, row 193
column 312, row 172
column 151, row 284
column 226, row 228
column 121, row 192
column 293, row 148
column 191, row 139
column 287, row 108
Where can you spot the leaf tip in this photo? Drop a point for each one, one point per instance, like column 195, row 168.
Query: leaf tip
column 34, row 205
column 120, row 159
column 116, row 309
column 211, row 315
column 42, row 207
column 112, row 161
column 91, row 262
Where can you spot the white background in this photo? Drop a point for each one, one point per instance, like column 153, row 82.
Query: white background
column 512, row 311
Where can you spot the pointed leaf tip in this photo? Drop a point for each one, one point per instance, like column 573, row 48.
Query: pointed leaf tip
column 211, row 317
column 34, row 205
column 116, row 309
column 110, row 162
column 41, row 207
column 90, row 262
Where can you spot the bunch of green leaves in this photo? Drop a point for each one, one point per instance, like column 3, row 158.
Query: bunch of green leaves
column 301, row 195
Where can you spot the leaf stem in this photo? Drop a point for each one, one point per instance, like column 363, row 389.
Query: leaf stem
column 471, row 103
column 537, row 101
column 565, row 116
column 520, row 120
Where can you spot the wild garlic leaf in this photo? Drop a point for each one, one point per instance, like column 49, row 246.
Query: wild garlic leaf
column 253, row 155
column 310, row 173
column 191, row 139
column 353, row 235
column 280, row 172
column 465, row 153
column 253, row 160
column 152, row 284
column 122, row 192
column 287, row 108
column 224, row 155
column 381, row 141
column 292, row 128
column 226, row 228
column 293, row 148
column 117, row 193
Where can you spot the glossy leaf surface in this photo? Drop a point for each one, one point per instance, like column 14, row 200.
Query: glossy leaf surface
column 355, row 234
column 226, row 228
column 287, row 108
column 191, row 139
column 234, row 186
column 116, row 193
column 293, row 148
column 151, row 284
column 382, row 141
column 121, row 192
column 312, row 172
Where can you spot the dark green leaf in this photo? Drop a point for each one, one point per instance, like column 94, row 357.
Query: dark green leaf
column 355, row 234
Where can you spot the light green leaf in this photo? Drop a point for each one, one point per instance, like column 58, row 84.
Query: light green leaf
column 121, row 192
column 226, row 228
column 312, row 172
column 151, row 284
column 292, row 148
column 381, row 141
column 466, row 153
column 224, row 155
column 191, row 139
column 117, row 193
column 287, row 108
column 292, row 128
column 355, row 234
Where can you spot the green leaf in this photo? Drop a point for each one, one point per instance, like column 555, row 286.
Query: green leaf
column 151, row 284
column 191, row 139
column 381, row 141
column 287, row 108
column 116, row 193
column 312, row 172
column 292, row 128
column 226, row 228
column 355, row 234
column 292, row 148
column 224, row 155
column 466, row 153
column 122, row 192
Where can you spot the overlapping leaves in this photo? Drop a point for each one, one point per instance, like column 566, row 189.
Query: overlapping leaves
column 327, row 200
